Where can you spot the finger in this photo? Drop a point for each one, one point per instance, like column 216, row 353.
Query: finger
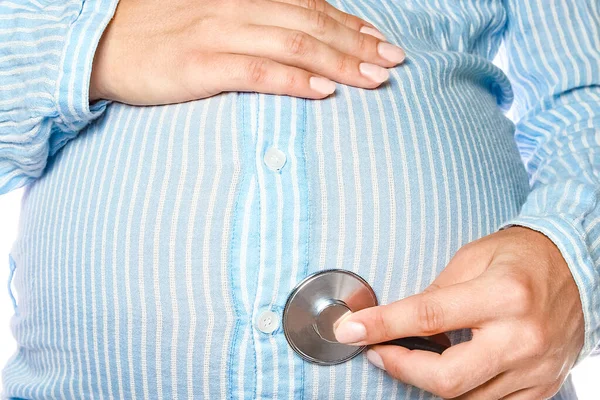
column 499, row 387
column 301, row 50
column 458, row 370
column 233, row 72
column 323, row 27
column 349, row 20
column 469, row 262
column 464, row 305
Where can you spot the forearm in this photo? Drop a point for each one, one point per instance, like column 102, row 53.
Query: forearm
column 555, row 68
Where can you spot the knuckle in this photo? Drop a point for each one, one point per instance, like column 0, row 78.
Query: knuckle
column 519, row 293
column 363, row 43
column 550, row 372
column 394, row 370
column 310, row 4
column 297, row 43
column 187, row 63
column 553, row 389
column 550, row 391
column 462, row 255
column 538, row 343
column 464, row 252
column 446, row 385
column 291, row 81
column 320, row 21
column 343, row 65
column 383, row 324
column 257, row 71
column 430, row 316
column 345, row 19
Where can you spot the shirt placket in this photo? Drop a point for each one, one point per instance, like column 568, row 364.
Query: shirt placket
column 282, row 227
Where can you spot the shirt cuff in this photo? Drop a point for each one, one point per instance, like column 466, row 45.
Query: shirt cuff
column 573, row 245
column 73, row 84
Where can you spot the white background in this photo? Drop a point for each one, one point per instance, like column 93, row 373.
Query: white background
column 587, row 375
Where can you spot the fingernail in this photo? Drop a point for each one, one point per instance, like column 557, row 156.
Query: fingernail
column 322, row 85
column 374, row 72
column 373, row 32
column 375, row 359
column 350, row 332
column 390, row 52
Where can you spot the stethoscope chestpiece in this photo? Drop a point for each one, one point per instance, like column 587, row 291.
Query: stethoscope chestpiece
column 315, row 305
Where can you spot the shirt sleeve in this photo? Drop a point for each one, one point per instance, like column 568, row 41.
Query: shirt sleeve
column 553, row 53
column 46, row 53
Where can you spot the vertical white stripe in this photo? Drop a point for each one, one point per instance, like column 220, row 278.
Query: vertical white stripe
column 376, row 220
column 226, row 238
column 141, row 261
column 341, row 194
column 315, row 382
column 324, row 214
column 295, row 192
column 263, row 226
column 244, row 246
column 241, row 368
column 359, row 210
column 322, row 184
column 244, row 280
column 206, row 272
column 156, row 264
column 278, row 246
column 173, row 262
column 189, row 246
column 128, row 229
column 295, row 228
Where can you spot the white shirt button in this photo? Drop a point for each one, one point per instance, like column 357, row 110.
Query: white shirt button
column 267, row 322
column 274, row 159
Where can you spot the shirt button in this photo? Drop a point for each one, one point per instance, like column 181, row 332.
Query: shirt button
column 267, row 322
column 274, row 159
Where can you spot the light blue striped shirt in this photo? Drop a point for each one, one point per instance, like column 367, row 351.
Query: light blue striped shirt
column 153, row 238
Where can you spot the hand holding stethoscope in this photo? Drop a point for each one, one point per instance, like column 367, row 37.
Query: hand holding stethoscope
column 514, row 290
column 318, row 302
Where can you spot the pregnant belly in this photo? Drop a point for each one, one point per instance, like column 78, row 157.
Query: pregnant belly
column 157, row 239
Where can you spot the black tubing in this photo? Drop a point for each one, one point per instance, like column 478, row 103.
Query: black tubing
column 418, row 343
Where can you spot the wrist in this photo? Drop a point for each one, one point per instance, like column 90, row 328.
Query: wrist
column 568, row 239
column 95, row 92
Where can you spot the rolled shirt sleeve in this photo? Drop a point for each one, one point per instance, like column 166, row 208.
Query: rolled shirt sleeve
column 46, row 54
column 553, row 53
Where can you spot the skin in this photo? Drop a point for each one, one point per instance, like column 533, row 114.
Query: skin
column 514, row 290
column 155, row 52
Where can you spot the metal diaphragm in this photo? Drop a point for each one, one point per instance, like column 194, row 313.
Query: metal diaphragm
column 315, row 305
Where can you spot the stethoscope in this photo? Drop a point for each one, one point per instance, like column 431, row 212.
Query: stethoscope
column 316, row 303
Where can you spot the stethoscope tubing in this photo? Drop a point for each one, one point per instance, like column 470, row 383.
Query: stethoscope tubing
column 417, row 343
